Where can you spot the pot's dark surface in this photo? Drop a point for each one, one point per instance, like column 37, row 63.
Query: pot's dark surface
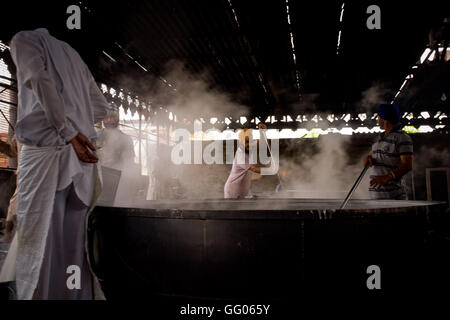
column 266, row 248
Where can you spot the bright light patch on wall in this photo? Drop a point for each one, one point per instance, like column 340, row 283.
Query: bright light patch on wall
column 346, row 131
column 243, row 120
column 313, row 134
column 213, row 120
column 5, row 73
column 347, row 118
column 425, row 129
column 376, row 129
column 425, row 114
column 410, row 129
column 425, row 55
column 127, row 116
column 3, row 47
column 362, row 116
column 362, row 130
column 227, row 121
column 432, row 56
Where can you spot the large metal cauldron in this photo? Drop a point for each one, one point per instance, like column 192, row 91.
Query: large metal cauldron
column 272, row 249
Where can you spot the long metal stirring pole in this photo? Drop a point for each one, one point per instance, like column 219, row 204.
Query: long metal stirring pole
column 357, row 182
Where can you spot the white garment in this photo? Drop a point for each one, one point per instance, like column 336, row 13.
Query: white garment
column 64, row 248
column 116, row 150
column 40, row 168
column 34, row 216
column 240, row 179
column 58, row 98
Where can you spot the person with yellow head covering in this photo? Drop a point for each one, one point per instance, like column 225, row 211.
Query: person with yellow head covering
column 240, row 179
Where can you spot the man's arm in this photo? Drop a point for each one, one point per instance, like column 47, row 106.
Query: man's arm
column 255, row 169
column 405, row 167
column 27, row 53
column 398, row 172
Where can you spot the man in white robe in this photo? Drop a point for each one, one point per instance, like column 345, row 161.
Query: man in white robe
column 59, row 102
column 115, row 149
column 240, row 179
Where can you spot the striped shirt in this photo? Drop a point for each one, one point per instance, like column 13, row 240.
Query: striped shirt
column 386, row 152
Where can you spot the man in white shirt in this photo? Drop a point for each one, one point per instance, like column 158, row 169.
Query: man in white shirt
column 239, row 181
column 59, row 102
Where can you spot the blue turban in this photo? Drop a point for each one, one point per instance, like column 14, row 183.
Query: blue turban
column 389, row 112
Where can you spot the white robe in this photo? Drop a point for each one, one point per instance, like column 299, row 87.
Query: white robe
column 240, row 179
column 58, row 98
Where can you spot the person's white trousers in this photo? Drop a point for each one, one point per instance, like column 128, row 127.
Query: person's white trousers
column 65, row 272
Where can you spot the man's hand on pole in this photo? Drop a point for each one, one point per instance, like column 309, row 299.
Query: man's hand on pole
column 81, row 145
column 367, row 161
column 379, row 181
column 262, row 126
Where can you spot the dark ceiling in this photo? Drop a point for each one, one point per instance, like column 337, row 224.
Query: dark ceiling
column 251, row 59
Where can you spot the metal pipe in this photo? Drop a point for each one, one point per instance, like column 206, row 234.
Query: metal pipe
column 357, row 182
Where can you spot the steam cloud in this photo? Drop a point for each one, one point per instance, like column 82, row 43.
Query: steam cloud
column 318, row 168
column 373, row 96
